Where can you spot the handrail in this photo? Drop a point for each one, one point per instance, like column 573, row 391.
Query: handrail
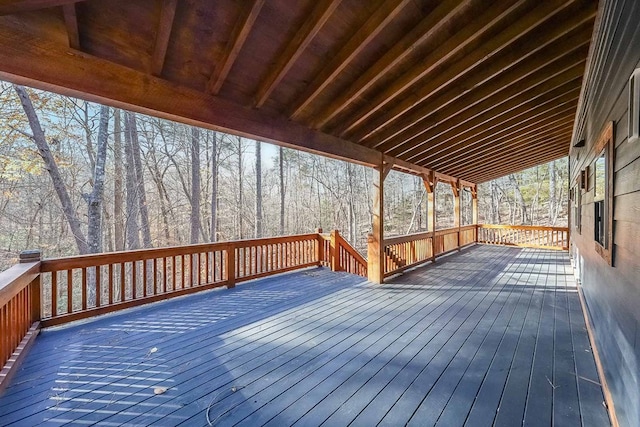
column 341, row 256
column 530, row 236
column 407, row 251
column 19, row 312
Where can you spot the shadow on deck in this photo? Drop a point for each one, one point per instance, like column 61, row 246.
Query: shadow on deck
column 492, row 335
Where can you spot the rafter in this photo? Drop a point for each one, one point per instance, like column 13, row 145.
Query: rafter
column 501, row 45
column 167, row 13
column 494, row 112
column 425, row 30
column 9, row 7
column 466, row 149
column 490, row 109
column 236, row 41
column 319, row 16
column 360, row 39
column 555, row 129
column 511, row 146
column 520, row 166
column 71, row 23
column 492, row 128
column 503, row 80
column 466, row 39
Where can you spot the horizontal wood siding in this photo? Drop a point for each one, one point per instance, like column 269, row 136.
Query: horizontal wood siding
column 612, row 293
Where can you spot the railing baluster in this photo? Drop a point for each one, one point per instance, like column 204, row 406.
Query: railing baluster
column 98, row 287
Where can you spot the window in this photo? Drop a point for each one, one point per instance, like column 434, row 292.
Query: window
column 576, row 194
column 603, row 194
column 634, row 105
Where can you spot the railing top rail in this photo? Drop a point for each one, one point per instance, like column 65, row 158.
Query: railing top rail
column 80, row 261
column 523, row 227
column 352, row 251
column 408, row 238
column 16, row 278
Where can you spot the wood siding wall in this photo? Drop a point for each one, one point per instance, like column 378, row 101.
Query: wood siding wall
column 612, row 292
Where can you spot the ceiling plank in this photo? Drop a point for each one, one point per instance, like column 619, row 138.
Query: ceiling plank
column 9, row 7
column 467, row 38
column 556, row 129
column 167, row 13
column 425, row 30
column 530, row 153
column 492, row 107
column 297, row 44
column 461, row 159
column 71, row 24
column 236, row 41
column 360, row 39
column 493, row 119
column 513, row 147
column 492, row 128
column 556, row 28
column 520, row 166
column 536, row 69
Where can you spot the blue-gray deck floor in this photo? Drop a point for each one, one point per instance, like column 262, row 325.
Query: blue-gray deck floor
column 488, row 336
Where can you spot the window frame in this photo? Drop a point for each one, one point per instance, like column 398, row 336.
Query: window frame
column 605, row 144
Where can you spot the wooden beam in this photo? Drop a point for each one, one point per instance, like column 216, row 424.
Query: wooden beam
column 490, row 130
column 505, row 86
column 9, row 7
column 358, row 41
column 518, row 153
column 510, row 53
column 489, row 113
column 467, row 38
column 71, row 23
column 375, row 240
column 167, row 13
column 297, row 45
column 559, row 132
column 87, row 77
column 487, row 143
column 236, row 41
column 425, row 30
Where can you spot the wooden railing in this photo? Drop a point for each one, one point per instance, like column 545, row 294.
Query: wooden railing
column 404, row 252
column 341, row 256
column 524, row 236
column 19, row 311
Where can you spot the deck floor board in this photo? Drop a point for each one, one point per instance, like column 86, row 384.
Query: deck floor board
column 488, row 336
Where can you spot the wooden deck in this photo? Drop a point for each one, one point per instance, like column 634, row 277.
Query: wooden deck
column 492, row 335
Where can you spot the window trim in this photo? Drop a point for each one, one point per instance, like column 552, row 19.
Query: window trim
column 605, row 143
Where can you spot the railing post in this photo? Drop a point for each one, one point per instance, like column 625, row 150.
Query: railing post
column 335, row 251
column 231, row 266
column 320, row 251
column 474, row 209
column 34, row 287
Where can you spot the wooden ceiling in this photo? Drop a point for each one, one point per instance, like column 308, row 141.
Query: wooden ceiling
column 474, row 89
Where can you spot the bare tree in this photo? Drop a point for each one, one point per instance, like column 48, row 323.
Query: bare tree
column 258, row 221
column 118, row 189
column 282, row 188
column 214, row 187
column 133, row 207
column 94, row 200
column 52, row 167
column 195, row 184
column 140, row 189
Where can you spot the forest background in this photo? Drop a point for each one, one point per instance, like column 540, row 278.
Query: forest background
column 77, row 177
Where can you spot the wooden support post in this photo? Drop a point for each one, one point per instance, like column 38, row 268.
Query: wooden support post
column 231, row 266
column 335, row 251
column 430, row 182
column 320, row 252
column 474, row 209
column 35, row 290
column 455, row 188
column 375, row 241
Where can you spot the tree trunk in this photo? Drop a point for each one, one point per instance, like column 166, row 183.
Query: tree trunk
column 51, row 166
column 519, row 199
column 131, row 217
column 282, row 189
column 258, row 222
column 240, row 208
column 195, row 184
column 118, row 189
column 214, row 188
column 139, row 173
column 94, row 200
